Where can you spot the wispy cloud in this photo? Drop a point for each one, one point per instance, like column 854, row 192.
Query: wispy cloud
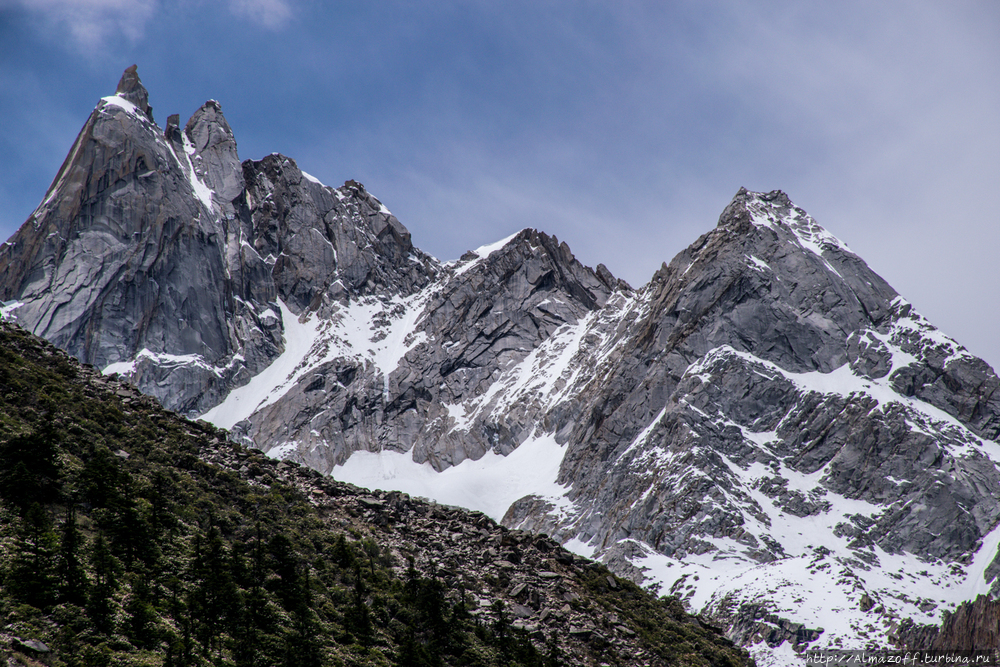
column 272, row 14
column 91, row 23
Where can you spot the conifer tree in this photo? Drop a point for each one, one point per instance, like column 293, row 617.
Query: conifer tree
column 141, row 628
column 255, row 615
column 213, row 600
column 131, row 535
column 32, row 577
column 302, row 648
column 29, row 467
column 100, row 601
column 72, row 574
column 284, row 564
column 358, row 616
column 102, row 479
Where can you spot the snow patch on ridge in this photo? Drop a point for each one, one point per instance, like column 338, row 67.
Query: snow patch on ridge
column 122, row 103
column 270, row 384
column 811, row 235
column 169, row 360
column 482, row 252
column 843, row 382
column 8, row 308
column 310, row 177
column 930, row 337
column 368, row 331
column 559, row 367
column 806, row 232
column 757, row 264
column 546, row 375
column 489, row 484
column 202, row 191
column 393, row 323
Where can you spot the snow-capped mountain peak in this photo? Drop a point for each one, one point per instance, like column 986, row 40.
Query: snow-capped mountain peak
column 766, row 429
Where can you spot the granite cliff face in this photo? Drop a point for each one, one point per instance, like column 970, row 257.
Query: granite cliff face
column 132, row 258
column 973, row 626
column 766, row 428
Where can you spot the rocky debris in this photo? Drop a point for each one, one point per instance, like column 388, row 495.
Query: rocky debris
column 749, row 624
column 528, row 578
column 974, row 625
column 32, row 645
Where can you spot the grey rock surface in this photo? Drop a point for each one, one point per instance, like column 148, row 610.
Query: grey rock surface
column 131, row 89
column 476, row 320
column 125, row 264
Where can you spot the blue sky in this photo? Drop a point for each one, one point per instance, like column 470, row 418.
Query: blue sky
column 622, row 127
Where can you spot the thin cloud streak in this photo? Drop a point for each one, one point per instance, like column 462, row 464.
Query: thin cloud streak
column 92, row 23
column 271, row 14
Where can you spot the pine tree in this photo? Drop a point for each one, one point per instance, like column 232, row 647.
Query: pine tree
column 103, row 479
column 302, row 647
column 32, row 577
column 256, row 617
column 72, row 575
column 100, row 602
column 213, row 600
column 357, row 619
column 142, row 616
column 342, row 553
column 284, row 563
column 29, row 467
column 501, row 630
column 131, row 535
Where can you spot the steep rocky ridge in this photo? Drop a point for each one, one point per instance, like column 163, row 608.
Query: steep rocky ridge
column 766, row 429
column 728, row 334
column 125, row 261
column 432, row 349
column 156, row 253
column 974, row 625
column 752, row 421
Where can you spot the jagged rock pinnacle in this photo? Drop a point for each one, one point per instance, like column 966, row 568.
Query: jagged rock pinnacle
column 217, row 162
column 173, row 131
column 736, row 211
column 131, row 88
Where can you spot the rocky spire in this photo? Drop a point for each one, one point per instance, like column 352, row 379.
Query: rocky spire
column 131, row 88
column 216, row 160
column 738, row 212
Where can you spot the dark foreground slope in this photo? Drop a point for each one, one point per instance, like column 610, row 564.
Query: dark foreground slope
column 131, row 536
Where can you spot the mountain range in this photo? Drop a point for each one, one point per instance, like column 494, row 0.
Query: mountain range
column 765, row 430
